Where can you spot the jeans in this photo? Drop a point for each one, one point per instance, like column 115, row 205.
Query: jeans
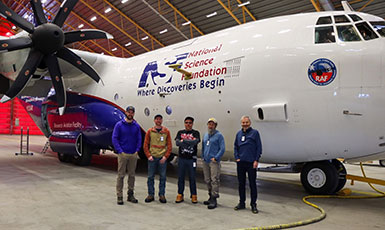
column 188, row 165
column 244, row 167
column 153, row 167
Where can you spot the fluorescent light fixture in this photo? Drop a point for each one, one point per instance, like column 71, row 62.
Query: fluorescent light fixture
column 144, row 38
column 186, row 23
column 114, row 49
column 93, row 18
column 163, row 31
column 128, row 44
column 212, row 14
column 244, row 4
column 107, row 10
column 81, row 26
column 124, row 1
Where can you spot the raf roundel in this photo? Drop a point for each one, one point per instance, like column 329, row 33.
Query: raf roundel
column 322, row 72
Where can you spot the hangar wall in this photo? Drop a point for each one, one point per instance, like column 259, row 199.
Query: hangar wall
column 13, row 116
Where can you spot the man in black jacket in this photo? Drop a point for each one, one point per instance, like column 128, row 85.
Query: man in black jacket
column 187, row 140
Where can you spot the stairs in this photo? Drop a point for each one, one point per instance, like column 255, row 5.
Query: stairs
column 20, row 118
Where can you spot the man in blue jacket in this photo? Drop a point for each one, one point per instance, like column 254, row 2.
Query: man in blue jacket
column 127, row 141
column 247, row 151
column 213, row 147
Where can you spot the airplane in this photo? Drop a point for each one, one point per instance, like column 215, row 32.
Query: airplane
column 312, row 83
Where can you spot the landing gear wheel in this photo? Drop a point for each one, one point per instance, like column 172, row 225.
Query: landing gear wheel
column 382, row 163
column 64, row 157
column 341, row 170
column 320, row 177
column 85, row 158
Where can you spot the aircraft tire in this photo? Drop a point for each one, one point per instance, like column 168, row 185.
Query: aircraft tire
column 382, row 163
column 319, row 178
column 85, row 158
column 341, row 170
column 65, row 158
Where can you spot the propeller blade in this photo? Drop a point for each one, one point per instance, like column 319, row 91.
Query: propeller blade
column 57, row 81
column 65, row 9
column 81, row 35
column 70, row 57
column 15, row 44
column 38, row 12
column 15, row 18
column 25, row 74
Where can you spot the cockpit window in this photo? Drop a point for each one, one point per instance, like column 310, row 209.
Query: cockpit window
column 324, row 20
column 355, row 18
column 324, row 34
column 347, row 33
column 341, row 19
column 365, row 30
column 379, row 27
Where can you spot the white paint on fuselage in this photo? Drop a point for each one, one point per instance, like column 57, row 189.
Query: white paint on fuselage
column 273, row 56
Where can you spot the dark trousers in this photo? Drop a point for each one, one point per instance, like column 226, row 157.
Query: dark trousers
column 188, row 165
column 244, row 167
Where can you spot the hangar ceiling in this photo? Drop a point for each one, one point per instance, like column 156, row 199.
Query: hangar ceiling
column 139, row 26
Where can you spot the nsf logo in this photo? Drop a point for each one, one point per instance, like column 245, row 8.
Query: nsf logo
column 322, row 72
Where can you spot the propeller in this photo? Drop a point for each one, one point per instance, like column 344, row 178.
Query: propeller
column 47, row 41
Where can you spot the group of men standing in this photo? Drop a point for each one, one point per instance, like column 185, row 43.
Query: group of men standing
column 127, row 141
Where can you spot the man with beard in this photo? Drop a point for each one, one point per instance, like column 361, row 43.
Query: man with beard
column 247, row 151
column 187, row 140
column 127, row 141
column 213, row 148
column 157, row 147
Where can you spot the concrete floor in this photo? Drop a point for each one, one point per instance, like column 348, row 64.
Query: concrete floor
column 39, row 192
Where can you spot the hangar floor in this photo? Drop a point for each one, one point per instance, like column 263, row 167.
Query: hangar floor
column 39, row 192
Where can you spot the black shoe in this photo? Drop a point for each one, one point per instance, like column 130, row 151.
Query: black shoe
column 207, row 202
column 131, row 198
column 149, row 199
column 254, row 209
column 120, row 201
column 162, row 199
column 240, row 206
column 213, row 203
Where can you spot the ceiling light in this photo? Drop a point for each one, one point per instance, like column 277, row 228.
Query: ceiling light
column 128, row 44
column 186, row 23
column 93, row 18
column 144, row 38
column 244, row 4
column 114, row 49
column 107, row 10
column 163, row 31
column 43, row 1
column 80, row 26
column 124, row 1
column 212, row 14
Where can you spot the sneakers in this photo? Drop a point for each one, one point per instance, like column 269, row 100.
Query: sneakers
column 149, row 199
column 239, row 206
column 254, row 209
column 131, row 198
column 162, row 199
column 120, row 200
column 194, row 199
column 179, row 198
